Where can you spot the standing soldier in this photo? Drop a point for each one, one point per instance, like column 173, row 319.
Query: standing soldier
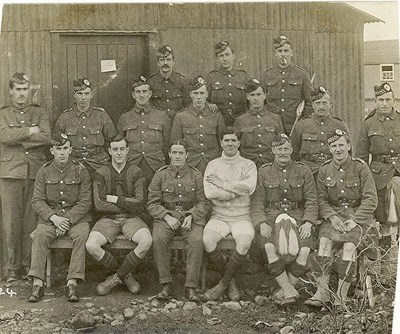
column 24, row 131
column 199, row 126
column 309, row 134
column 89, row 128
column 347, row 199
column 258, row 126
column 170, row 88
column 380, row 137
column 119, row 193
column 284, row 208
column 287, row 85
column 147, row 130
column 177, row 203
column 62, row 198
column 226, row 84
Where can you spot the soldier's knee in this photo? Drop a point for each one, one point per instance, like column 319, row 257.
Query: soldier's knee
column 92, row 246
column 269, row 247
column 349, row 250
column 146, row 241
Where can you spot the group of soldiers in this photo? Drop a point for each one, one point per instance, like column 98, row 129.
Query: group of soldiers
column 264, row 161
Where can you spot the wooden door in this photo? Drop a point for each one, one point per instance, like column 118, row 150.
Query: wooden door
column 78, row 56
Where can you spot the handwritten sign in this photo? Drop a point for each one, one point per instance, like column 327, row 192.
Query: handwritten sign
column 108, row 65
column 8, row 291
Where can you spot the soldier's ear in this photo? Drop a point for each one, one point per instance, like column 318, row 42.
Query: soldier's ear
column 52, row 150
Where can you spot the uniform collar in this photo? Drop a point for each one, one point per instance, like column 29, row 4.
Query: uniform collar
column 232, row 71
column 286, row 69
column 18, row 109
column 281, row 168
column 319, row 120
column 205, row 111
column 172, row 77
column 382, row 117
column 63, row 167
column 87, row 113
column 175, row 172
column 343, row 165
column 261, row 111
column 138, row 109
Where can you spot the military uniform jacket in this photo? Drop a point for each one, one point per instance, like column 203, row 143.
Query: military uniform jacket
column 63, row 190
column 201, row 131
column 285, row 89
column 291, row 183
column 178, row 192
column 170, row 95
column 88, row 132
column 258, row 128
column 349, row 183
column 380, row 135
column 309, row 137
column 226, row 89
column 21, row 154
column 148, row 132
column 129, row 185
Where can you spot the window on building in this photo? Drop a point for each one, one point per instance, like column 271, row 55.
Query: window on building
column 387, row 72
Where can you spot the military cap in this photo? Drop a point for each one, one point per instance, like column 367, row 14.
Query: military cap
column 81, row 84
column 335, row 135
column 318, row 93
column 220, row 47
column 281, row 41
column 196, row 83
column 58, row 139
column 281, row 139
column 252, row 85
column 19, row 78
column 382, row 89
column 142, row 80
column 164, row 51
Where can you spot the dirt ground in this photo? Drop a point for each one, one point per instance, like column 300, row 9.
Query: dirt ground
column 55, row 315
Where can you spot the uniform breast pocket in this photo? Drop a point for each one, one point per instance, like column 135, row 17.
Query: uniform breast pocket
column 296, row 186
column 72, row 189
column 268, row 135
column 217, row 93
column 249, row 136
column 295, row 86
column 397, row 133
column 211, row 136
column 271, row 86
column 190, row 134
column 96, row 134
column 353, row 188
column 156, row 132
column 309, row 142
column 190, row 193
column 168, row 193
column 53, row 189
column 272, row 189
column 71, row 130
column 376, row 135
column 130, row 132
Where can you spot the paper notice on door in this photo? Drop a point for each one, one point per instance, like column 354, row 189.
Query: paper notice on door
column 108, row 65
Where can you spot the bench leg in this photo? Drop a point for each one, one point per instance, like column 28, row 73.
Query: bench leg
column 204, row 273
column 48, row 268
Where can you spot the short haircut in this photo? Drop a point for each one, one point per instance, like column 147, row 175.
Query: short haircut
column 116, row 139
column 181, row 142
column 230, row 130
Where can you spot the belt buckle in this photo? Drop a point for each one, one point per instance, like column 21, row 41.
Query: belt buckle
column 285, row 206
column 229, row 111
column 179, row 207
column 393, row 158
column 84, row 153
column 344, row 203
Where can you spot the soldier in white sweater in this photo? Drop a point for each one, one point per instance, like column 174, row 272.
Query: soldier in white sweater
column 229, row 181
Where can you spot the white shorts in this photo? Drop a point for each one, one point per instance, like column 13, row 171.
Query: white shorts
column 242, row 227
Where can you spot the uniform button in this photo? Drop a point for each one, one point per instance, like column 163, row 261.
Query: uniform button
column 61, row 192
column 322, row 123
column 200, row 117
column 260, row 155
column 62, row 202
column 142, row 142
column 63, row 210
column 230, row 94
column 393, row 162
column 285, row 190
column 22, row 122
column 230, row 76
column 201, row 125
column 284, row 170
column 26, row 152
column 259, row 125
column 143, row 153
column 285, row 209
column 61, row 171
column 84, row 158
column 342, row 191
column 84, row 147
column 283, row 72
column 282, row 99
column 179, row 195
column 201, row 144
column 391, row 151
column 230, row 102
column 346, row 206
column 142, row 113
column 179, row 185
column 259, row 135
column 322, row 132
column 61, row 181
column 341, row 169
column 390, row 139
column 322, row 144
column 143, row 122
column 21, row 112
column 387, row 118
column 201, row 135
column 284, row 180
column 282, row 90
column 229, row 84
column 179, row 178
column 84, row 138
column 259, row 145
column 166, row 90
column 342, row 180
column 285, row 199
column 202, row 153
column 83, row 126
column 141, row 131
column 168, row 109
column 83, row 117
column 282, row 109
column 167, row 100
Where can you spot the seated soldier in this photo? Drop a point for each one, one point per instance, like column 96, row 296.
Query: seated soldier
column 177, row 203
column 229, row 182
column 284, row 208
column 119, row 192
column 62, row 198
column 347, row 199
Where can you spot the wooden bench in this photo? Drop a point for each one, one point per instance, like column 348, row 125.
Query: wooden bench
column 121, row 243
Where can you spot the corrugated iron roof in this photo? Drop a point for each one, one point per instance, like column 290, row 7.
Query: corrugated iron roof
column 382, row 52
column 368, row 18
